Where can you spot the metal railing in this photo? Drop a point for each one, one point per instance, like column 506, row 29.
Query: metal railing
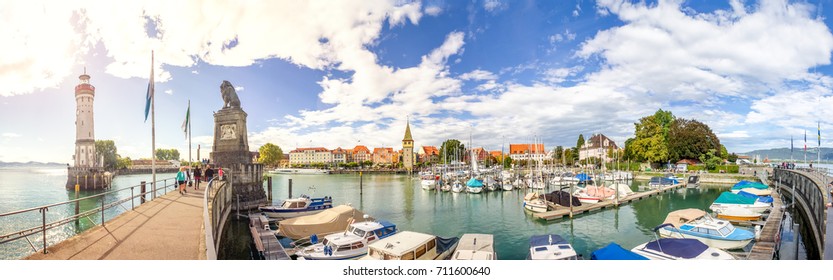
column 45, row 226
column 218, row 195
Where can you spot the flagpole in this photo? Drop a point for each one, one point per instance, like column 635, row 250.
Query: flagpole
column 152, row 127
column 189, row 131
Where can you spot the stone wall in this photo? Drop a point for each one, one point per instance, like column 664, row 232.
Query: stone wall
column 88, row 178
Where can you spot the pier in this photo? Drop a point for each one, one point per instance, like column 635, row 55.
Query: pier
column 166, row 228
column 562, row 211
column 266, row 242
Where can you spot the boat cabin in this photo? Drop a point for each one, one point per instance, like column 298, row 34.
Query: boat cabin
column 405, row 245
column 550, row 247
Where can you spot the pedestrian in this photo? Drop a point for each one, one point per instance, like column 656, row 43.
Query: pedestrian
column 220, row 173
column 180, row 179
column 209, row 173
column 197, row 176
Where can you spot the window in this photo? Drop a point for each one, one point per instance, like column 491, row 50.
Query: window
column 420, row 251
column 408, row 256
column 713, row 232
column 725, row 231
column 431, row 244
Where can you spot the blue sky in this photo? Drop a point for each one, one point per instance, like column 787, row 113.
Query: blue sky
column 342, row 73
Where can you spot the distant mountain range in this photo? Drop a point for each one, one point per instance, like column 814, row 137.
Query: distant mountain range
column 797, row 154
column 31, row 164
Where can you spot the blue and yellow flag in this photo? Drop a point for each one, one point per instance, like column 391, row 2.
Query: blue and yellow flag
column 819, row 123
column 149, row 96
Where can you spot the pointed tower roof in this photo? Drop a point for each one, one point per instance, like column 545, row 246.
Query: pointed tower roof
column 408, row 132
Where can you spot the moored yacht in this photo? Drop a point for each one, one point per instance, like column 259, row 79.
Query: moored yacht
column 409, row 245
column 473, row 246
column 350, row 244
column 550, row 247
column 296, row 207
column 697, row 224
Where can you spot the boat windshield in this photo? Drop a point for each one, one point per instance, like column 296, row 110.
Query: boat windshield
column 359, row 232
column 286, row 204
column 726, row 230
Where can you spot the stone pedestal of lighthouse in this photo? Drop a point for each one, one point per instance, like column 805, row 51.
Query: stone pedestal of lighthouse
column 231, row 152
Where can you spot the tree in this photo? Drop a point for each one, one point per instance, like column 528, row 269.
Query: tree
column 710, row 159
column 732, row 157
column 167, row 154
column 651, row 141
column 557, row 153
column 270, row 154
column 450, row 148
column 723, row 152
column 107, row 149
column 568, row 155
column 580, row 141
column 124, row 163
column 507, row 162
column 689, row 139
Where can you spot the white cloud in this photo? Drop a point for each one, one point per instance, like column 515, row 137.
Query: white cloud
column 169, row 91
column 239, row 88
column 479, row 75
column 559, row 75
column 11, row 135
column 493, row 5
column 195, row 72
column 433, row 10
column 733, row 134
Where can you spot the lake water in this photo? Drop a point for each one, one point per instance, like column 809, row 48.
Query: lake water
column 22, row 188
column 401, row 200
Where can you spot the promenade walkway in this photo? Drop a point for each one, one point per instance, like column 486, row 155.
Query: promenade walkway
column 166, row 228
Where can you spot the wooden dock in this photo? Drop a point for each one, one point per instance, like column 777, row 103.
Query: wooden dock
column 765, row 247
column 266, row 243
column 562, row 211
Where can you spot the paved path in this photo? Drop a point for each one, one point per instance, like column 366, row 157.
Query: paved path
column 167, row 228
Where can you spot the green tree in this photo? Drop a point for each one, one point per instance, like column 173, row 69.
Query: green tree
column 651, row 141
column 124, row 162
column 689, row 139
column 568, row 156
column 724, row 153
column 580, row 141
column 557, row 153
column 451, row 148
column 732, row 157
column 575, row 155
column 507, row 162
column 270, row 154
column 710, row 159
column 107, row 149
column 167, row 154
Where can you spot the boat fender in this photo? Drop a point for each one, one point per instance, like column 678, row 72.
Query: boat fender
column 757, row 232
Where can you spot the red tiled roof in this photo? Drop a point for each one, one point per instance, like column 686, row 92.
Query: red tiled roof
column 526, row 148
column 430, row 150
column 360, row 148
column 689, row 161
column 317, row 149
column 380, row 150
column 495, row 154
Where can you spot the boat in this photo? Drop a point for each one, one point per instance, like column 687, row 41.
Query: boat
column 296, row 207
column 728, row 200
column 562, row 198
column 328, row 221
column 535, row 203
column 446, row 187
column 550, row 247
column 350, row 244
column 697, row 224
column 679, row 249
column 614, row 251
column 507, row 185
column 490, row 184
column 457, row 187
column 409, row 245
column 737, row 214
column 693, row 181
column 474, row 246
column 622, row 176
column 755, row 188
column 671, row 176
column 299, row 171
column 656, row 182
column 583, row 178
column 474, row 186
column 428, row 181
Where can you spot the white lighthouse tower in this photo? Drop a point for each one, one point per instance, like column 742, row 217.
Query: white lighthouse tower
column 84, row 123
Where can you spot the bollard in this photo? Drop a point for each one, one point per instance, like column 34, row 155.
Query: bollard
column 94, row 182
column 269, row 187
column 290, row 188
column 361, row 182
column 142, row 193
column 86, row 183
column 77, row 204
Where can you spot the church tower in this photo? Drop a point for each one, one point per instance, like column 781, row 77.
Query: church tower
column 84, row 124
column 408, row 149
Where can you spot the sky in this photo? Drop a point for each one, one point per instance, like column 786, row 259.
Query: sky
column 345, row 73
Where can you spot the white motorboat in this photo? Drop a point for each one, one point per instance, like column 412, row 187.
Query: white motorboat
column 428, row 182
column 350, row 244
column 697, row 224
column 296, row 207
column 535, row 203
column 728, row 200
column 474, row 246
column 409, row 245
column 550, row 247
column 679, row 249
column 300, row 171
column 457, row 187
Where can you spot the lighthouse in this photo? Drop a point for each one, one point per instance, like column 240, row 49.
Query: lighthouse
column 84, row 123
column 87, row 172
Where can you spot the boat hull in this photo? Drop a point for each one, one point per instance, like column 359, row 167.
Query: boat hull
column 535, row 207
column 716, row 243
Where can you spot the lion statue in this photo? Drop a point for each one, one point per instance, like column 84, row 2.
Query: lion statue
column 229, row 95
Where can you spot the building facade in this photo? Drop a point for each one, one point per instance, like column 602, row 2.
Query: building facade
column 527, row 152
column 385, row 156
column 304, row 156
column 84, row 124
column 361, row 154
column 341, row 156
column 597, row 146
column 430, row 155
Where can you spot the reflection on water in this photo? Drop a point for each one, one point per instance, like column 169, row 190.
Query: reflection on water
column 401, row 200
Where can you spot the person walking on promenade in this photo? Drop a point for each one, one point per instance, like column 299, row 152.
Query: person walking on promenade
column 220, row 173
column 197, row 176
column 209, row 173
column 180, row 179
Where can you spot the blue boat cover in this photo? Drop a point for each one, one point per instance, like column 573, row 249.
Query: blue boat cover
column 747, row 184
column 730, row 198
column 443, row 244
column 615, row 252
column 583, row 177
column 386, row 224
column 764, row 199
column 679, row 247
column 474, row 183
column 543, row 240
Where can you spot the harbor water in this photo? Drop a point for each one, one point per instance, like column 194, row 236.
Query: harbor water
column 22, row 188
column 401, row 200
